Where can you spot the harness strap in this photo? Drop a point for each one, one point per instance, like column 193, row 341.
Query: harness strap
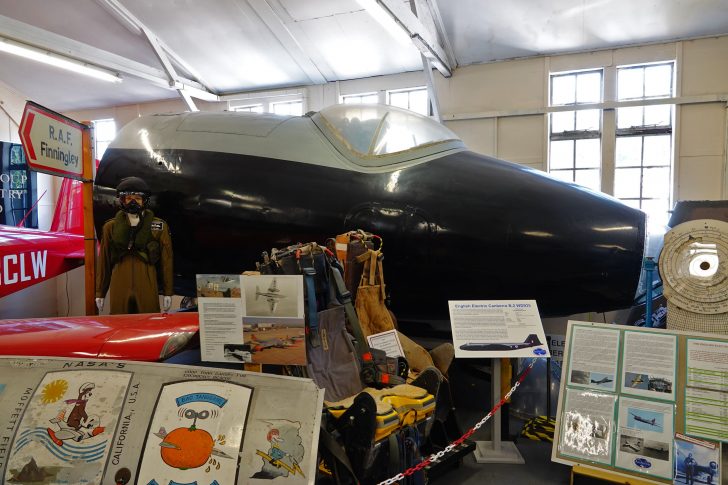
column 308, row 274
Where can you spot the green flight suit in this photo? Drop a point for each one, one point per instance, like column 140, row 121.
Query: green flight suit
column 128, row 261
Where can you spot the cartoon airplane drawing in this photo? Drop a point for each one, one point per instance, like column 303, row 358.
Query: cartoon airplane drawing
column 531, row 341
column 272, row 296
column 651, row 422
column 634, row 446
column 89, row 427
column 603, row 380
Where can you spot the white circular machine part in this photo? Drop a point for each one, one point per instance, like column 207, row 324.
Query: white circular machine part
column 694, row 266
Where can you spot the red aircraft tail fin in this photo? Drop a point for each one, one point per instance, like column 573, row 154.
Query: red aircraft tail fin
column 69, row 208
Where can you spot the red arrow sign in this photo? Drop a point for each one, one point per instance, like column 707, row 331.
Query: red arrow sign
column 52, row 143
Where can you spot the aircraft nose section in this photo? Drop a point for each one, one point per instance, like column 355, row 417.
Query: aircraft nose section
column 571, row 249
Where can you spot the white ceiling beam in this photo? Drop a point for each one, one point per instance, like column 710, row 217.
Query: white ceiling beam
column 121, row 16
column 425, row 40
column 271, row 19
column 133, row 24
column 434, row 9
column 63, row 46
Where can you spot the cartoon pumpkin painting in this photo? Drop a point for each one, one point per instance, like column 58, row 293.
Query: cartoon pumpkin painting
column 186, row 448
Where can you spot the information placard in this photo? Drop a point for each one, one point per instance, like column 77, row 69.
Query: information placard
column 503, row 328
column 664, row 384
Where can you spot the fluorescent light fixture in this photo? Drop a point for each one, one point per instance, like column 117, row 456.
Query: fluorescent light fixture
column 385, row 19
column 53, row 59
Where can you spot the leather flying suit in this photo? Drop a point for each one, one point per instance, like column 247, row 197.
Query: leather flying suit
column 128, row 261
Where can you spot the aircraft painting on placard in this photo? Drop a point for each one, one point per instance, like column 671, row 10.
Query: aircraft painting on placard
column 651, row 422
column 603, row 380
column 634, row 446
column 272, row 296
column 278, row 343
column 636, row 381
column 531, row 341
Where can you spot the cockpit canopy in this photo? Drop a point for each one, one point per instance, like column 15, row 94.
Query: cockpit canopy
column 374, row 135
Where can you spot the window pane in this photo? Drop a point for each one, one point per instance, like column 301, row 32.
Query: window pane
column 588, row 154
column 628, row 117
column 633, row 203
column 657, row 150
column 563, row 89
column 418, row 101
column 565, row 175
column 588, row 119
column 400, row 100
column 105, row 130
column 370, row 98
column 562, row 121
column 588, row 178
column 352, row 99
column 562, row 154
column 101, row 147
column 658, row 80
column 657, row 210
column 629, row 83
column 627, row 182
column 628, row 151
column 656, row 183
column 659, row 115
column 294, row 108
column 589, row 87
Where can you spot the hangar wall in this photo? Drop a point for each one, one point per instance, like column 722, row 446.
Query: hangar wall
column 43, row 296
column 498, row 109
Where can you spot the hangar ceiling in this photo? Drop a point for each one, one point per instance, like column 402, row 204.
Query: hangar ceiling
column 216, row 47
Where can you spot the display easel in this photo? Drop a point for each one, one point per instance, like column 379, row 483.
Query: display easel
column 497, row 451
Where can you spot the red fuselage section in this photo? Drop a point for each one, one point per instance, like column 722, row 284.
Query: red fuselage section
column 139, row 337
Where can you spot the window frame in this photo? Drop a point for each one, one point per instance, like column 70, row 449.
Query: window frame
column 575, row 135
column 409, row 91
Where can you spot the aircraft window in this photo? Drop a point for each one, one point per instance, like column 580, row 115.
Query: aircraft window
column 373, row 132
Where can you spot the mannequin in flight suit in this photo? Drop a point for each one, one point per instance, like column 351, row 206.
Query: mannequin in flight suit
column 133, row 244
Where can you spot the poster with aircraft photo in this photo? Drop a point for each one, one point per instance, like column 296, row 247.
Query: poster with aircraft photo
column 645, row 437
column 273, row 320
column 67, row 428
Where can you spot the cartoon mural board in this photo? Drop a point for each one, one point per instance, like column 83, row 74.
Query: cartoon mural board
column 279, row 450
column 196, row 434
column 67, row 429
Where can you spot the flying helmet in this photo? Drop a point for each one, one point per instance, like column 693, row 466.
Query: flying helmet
column 133, row 186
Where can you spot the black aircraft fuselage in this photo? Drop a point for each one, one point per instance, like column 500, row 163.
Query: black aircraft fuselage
column 456, row 225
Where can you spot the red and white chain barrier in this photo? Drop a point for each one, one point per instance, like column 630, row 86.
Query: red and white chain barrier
column 437, row 456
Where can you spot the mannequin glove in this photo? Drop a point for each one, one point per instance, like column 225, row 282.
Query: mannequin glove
column 166, row 303
column 100, row 304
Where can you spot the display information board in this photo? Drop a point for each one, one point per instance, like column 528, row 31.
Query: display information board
column 649, row 403
column 92, row 421
column 254, row 319
column 502, row 328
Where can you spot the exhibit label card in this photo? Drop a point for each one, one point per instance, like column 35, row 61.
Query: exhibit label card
column 706, row 399
column 387, row 341
column 648, row 366
column 594, row 357
column 695, row 460
column 645, row 437
column 497, row 328
column 220, row 309
column 586, row 425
